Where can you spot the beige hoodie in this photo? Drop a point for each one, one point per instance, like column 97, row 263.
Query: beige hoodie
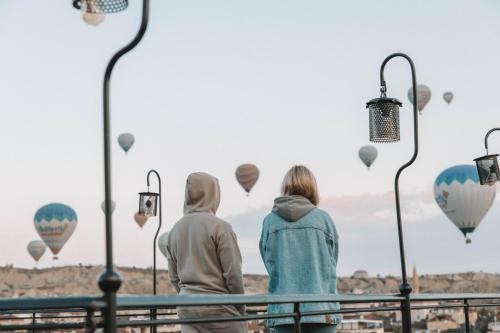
column 203, row 255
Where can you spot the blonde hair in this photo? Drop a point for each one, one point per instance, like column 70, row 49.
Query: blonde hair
column 299, row 180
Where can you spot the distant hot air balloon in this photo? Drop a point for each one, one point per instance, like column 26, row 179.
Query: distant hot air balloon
column 126, row 141
column 162, row 243
column 464, row 201
column 55, row 223
column 424, row 95
column 103, row 206
column 36, row 249
column 448, row 97
column 140, row 219
column 247, row 175
column 93, row 19
column 368, row 154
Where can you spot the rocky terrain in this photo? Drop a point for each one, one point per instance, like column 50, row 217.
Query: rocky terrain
column 81, row 280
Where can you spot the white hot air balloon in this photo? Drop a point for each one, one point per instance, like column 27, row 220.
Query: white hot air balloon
column 36, row 249
column 424, row 95
column 368, row 154
column 103, row 206
column 93, row 19
column 55, row 223
column 460, row 196
column 162, row 243
column 448, row 97
column 126, row 141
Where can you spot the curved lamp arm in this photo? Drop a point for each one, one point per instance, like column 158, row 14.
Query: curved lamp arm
column 405, row 287
column 159, row 225
column 486, row 137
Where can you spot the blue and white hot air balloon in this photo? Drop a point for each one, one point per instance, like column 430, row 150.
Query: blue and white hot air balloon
column 460, row 196
column 55, row 223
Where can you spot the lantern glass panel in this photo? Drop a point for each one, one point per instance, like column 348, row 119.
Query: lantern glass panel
column 384, row 119
column 148, row 203
column 488, row 170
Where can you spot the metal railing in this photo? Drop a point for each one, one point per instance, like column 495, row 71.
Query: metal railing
column 68, row 313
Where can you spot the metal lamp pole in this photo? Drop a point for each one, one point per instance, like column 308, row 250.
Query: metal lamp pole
column 405, row 287
column 486, row 137
column 153, row 311
column 110, row 280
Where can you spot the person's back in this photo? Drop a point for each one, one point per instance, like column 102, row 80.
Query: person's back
column 203, row 255
column 299, row 246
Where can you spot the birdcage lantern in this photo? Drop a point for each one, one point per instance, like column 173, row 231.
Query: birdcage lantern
column 487, row 169
column 100, row 6
column 384, row 119
column 148, row 203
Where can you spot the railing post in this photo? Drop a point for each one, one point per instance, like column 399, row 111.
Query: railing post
column 466, row 311
column 406, row 315
column 296, row 311
column 33, row 321
column 90, row 325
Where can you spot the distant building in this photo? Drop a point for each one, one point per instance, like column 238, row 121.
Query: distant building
column 441, row 323
column 360, row 273
column 360, row 326
column 494, row 327
column 415, row 281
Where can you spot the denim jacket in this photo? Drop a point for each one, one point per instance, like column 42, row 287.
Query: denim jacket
column 299, row 247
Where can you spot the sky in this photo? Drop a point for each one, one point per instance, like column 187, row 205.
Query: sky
column 216, row 84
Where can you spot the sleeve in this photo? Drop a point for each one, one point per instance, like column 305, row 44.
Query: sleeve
column 335, row 238
column 230, row 259
column 172, row 270
column 263, row 243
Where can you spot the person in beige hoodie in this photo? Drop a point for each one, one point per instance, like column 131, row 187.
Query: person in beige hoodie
column 203, row 256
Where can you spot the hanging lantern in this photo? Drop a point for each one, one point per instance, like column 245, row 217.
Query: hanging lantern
column 384, row 119
column 100, row 6
column 487, row 169
column 148, row 203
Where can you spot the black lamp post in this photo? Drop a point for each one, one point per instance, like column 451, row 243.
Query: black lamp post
column 384, row 127
column 487, row 165
column 110, row 280
column 148, row 205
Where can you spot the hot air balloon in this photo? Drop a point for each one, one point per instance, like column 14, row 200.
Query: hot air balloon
column 93, row 19
column 141, row 219
column 247, row 175
column 424, row 95
column 162, row 243
column 448, row 97
column 55, row 223
column 368, row 154
column 103, row 206
column 36, row 249
column 464, row 201
column 126, row 141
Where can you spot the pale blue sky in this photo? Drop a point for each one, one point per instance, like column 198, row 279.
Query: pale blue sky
column 215, row 84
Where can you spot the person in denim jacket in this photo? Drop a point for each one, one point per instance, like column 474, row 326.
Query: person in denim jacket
column 299, row 247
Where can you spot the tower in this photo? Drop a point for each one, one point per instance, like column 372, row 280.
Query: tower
column 415, row 281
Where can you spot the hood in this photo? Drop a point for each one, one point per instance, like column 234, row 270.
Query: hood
column 292, row 208
column 202, row 193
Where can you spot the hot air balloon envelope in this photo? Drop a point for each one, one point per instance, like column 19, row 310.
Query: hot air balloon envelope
column 140, row 219
column 460, row 196
column 36, row 248
column 103, row 206
column 247, row 175
column 424, row 95
column 55, row 223
column 126, row 141
column 368, row 154
column 448, row 97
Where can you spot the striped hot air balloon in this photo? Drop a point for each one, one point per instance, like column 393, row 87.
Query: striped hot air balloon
column 247, row 175
column 36, row 249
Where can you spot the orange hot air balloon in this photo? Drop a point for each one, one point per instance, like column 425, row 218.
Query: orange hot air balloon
column 141, row 219
column 247, row 175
